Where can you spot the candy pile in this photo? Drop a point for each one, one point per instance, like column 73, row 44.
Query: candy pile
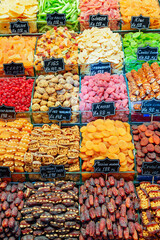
column 107, row 138
column 149, row 195
column 132, row 41
column 67, row 7
column 19, row 49
column 11, row 203
column 50, row 144
column 108, row 209
column 11, row 11
column 14, row 140
column 144, row 84
column 147, row 8
column 16, row 92
column 103, row 87
column 58, row 43
column 104, row 7
column 146, row 139
column 55, row 90
column 51, row 211
column 100, row 44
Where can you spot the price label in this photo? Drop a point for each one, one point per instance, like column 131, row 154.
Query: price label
column 56, row 19
column 98, row 20
column 7, row 112
column 19, row 27
column 150, row 107
column 13, row 68
column 5, row 172
column 60, row 113
column 103, row 109
column 106, row 166
column 140, row 22
column 151, row 168
column 100, row 67
column 52, row 171
column 147, row 53
column 54, row 65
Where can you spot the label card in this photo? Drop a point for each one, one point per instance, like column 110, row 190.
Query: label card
column 13, row 68
column 98, row 20
column 140, row 22
column 19, row 27
column 103, row 109
column 106, row 166
column 56, row 19
column 60, row 113
column 52, row 171
column 147, row 53
column 151, row 168
column 7, row 112
column 5, row 172
column 100, row 67
column 150, row 106
column 54, row 65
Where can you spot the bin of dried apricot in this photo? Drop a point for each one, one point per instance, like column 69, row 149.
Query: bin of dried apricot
column 107, row 138
column 147, row 143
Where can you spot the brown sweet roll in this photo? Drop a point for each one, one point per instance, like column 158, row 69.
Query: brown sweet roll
column 155, row 87
column 148, row 72
column 142, row 93
column 133, row 89
column 142, row 75
column 136, row 77
column 156, row 69
column 157, row 95
column 147, row 88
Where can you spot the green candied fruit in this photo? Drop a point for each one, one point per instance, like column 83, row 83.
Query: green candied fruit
column 136, row 35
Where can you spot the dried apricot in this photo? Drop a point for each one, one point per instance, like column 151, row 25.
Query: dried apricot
column 89, row 152
column 121, row 131
column 114, row 149
column 151, row 140
column 149, row 133
column 121, row 157
column 157, row 148
column 102, row 147
column 156, row 139
column 150, row 147
column 83, row 149
column 142, row 128
column 89, row 145
column 144, row 141
column 130, row 153
column 96, row 147
column 100, row 127
column 106, row 133
column 136, row 138
column 91, row 128
column 122, row 144
column 83, row 129
column 98, row 135
column 113, row 140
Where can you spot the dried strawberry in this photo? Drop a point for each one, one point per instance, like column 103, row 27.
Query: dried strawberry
column 126, row 233
column 104, row 211
column 101, row 199
column 115, row 191
column 98, row 229
column 121, row 182
column 131, row 228
column 92, row 228
column 104, row 191
column 109, row 224
column 98, row 212
column 115, row 230
column 87, row 203
column 118, row 200
column 121, row 192
column 92, row 213
column 111, row 180
column 96, row 202
column 110, row 207
column 91, row 200
column 102, row 224
column 123, row 222
column 99, row 190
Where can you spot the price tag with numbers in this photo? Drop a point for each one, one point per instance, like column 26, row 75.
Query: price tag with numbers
column 147, row 53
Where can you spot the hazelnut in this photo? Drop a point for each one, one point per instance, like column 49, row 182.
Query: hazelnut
column 68, row 74
column 37, row 95
column 54, row 80
column 36, row 101
column 44, row 108
column 76, row 83
column 50, row 90
column 35, row 107
column 43, row 83
column 40, row 90
column 68, row 86
column 57, row 104
column 75, row 108
column 50, row 104
column 68, row 96
column 66, row 104
column 45, row 96
column 43, row 103
column 76, row 77
column 62, row 81
column 52, row 99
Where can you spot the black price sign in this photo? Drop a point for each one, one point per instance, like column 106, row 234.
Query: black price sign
column 98, row 20
column 56, row 19
column 151, row 168
column 19, row 27
column 60, row 113
column 150, row 107
column 106, row 166
column 13, row 68
column 52, row 171
column 103, row 109
column 147, row 53
column 7, row 112
column 54, row 65
column 5, row 172
column 100, row 67
column 140, row 22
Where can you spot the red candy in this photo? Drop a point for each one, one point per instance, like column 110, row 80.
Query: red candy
column 16, row 92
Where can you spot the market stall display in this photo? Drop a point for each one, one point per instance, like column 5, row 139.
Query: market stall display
column 53, row 91
column 19, row 49
column 140, row 7
column 69, row 8
column 11, row 11
column 107, row 138
column 100, row 44
column 132, row 41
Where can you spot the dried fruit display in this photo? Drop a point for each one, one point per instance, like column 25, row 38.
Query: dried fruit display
column 144, row 83
column 104, row 7
column 147, row 143
column 16, row 92
column 51, row 144
column 11, row 11
column 101, row 87
column 107, row 138
column 50, row 211
column 11, row 203
column 58, row 43
column 148, row 8
column 55, row 90
column 100, row 44
column 14, row 141
column 149, row 195
column 109, row 209
column 19, row 49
